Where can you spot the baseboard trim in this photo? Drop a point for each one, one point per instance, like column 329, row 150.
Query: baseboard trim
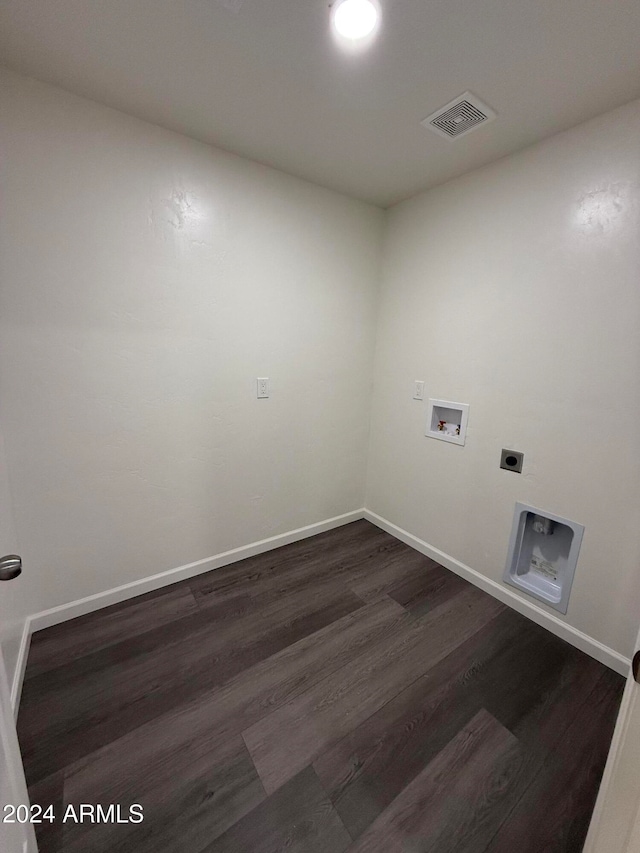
column 64, row 612
column 593, row 841
column 614, row 660
column 21, row 666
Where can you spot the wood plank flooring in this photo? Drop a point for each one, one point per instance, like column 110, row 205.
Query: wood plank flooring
column 342, row 694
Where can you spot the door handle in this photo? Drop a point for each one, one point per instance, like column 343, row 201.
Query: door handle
column 635, row 666
column 10, row 567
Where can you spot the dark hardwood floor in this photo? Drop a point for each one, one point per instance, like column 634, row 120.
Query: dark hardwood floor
column 343, row 693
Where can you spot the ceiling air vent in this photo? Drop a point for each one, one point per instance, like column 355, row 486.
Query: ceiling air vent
column 460, row 116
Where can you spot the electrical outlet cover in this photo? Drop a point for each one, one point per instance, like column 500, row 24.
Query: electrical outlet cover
column 511, row 460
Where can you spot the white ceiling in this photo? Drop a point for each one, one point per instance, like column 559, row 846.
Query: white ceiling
column 263, row 78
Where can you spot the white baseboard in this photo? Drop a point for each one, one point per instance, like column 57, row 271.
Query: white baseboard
column 621, row 734
column 21, row 666
column 47, row 618
column 614, row 660
column 64, row 612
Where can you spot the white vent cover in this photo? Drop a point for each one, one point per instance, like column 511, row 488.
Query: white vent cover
column 460, row 116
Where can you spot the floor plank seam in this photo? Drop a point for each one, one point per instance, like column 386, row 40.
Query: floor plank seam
column 353, row 656
column 539, row 771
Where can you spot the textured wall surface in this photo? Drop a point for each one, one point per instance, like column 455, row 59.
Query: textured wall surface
column 515, row 289
column 12, row 606
column 147, row 280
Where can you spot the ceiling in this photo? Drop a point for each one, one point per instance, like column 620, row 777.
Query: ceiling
column 263, row 78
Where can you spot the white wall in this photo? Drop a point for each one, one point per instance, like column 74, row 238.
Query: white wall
column 516, row 289
column 146, row 281
column 12, row 612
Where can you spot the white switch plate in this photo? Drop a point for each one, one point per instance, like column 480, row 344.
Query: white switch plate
column 263, row 386
column 418, row 389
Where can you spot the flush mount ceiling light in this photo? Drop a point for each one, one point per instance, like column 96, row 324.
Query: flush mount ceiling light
column 355, row 19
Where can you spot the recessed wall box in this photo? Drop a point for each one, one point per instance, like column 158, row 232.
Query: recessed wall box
column 447, row 421
column 543, row 554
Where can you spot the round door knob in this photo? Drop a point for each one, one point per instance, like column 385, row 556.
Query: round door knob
column 10, row 567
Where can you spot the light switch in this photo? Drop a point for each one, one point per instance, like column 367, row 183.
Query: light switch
column 418, row 389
